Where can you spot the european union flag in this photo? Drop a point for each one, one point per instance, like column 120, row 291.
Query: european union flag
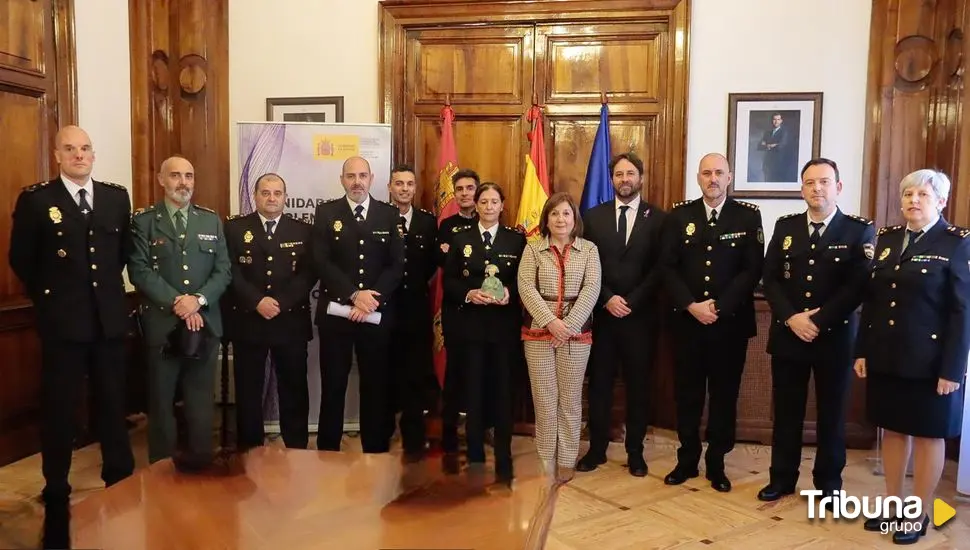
column 599, row 182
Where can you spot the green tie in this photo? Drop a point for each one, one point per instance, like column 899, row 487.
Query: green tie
column 180, row 224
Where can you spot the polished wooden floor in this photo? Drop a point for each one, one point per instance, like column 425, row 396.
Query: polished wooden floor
column 276, row 498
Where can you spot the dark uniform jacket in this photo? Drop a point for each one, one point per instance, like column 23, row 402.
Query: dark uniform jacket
column 163, row 267
column 831, row 277
column 465, row 270
column 421, row 257
column 72, row 267
column 630, row 271
column 449, row 227
column 723, row 262
column 916, row 314
column 278, row 266
column 349, row 255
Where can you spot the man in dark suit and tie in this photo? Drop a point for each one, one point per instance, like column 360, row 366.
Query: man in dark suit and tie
column 68, row 247
column 268, row 312
column 358, row 251
column 412, row 377
column 815, row 268
column 713, row 256
column 627, row 232
column 778, row 164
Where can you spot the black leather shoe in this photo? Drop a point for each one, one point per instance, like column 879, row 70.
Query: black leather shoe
column 637, row 465
column 910, row 537
column 719, row 482
column 679, row 475
column 772, row 492
column 590, row 461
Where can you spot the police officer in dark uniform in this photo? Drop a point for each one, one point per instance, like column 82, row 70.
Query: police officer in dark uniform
column 713, row 259
column 466, row 182
column 68, row 248
column 411, row 338
column 269, row 300
column 487, row 328
column 358, row 253
column 815, row 268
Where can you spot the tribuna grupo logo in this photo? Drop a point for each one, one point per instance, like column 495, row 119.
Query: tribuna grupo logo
column 849, row 507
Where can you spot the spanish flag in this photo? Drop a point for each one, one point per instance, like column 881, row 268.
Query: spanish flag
column 535, row 189
column 445, row 206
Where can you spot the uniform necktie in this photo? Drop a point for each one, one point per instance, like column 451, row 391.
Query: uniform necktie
column 713, row 219
column 83, row 203
column 816, row 229
column 621, row 225
column 487, row 237
column 269, row 226
column 359, row 212
column 180, row 224
column 404, row 225
column 911, row 237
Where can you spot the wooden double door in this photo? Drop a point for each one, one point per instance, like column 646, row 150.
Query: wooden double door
column 494, row 59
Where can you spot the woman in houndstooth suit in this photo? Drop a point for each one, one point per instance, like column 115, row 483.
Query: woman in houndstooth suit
column 559, row 282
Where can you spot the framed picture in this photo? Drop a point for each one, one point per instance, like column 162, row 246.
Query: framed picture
column 305, row 109
column 770, row 137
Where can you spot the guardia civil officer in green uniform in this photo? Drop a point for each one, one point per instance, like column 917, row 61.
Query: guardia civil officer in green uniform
column 180, row 266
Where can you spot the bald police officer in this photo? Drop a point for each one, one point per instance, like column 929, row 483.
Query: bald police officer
column 358, row 253
column 180, row 266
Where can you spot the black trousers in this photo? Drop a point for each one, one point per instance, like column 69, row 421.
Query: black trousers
column 339, row 339
column 65, row 364
column 412, row 371
column 452, row 395
column 488, row 386
column 626, row 345
column 709, row 360
column 289, row 364
column 789, row 382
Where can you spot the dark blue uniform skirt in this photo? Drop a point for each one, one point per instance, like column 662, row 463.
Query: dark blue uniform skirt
column 912, row 406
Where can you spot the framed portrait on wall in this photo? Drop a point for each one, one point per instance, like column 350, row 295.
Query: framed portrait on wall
column 770, row 137
column 305, row 109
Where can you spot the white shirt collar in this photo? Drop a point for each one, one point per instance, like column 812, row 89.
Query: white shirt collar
column 708, row 209
column 633, row 204
column 73, row 188
column 365, row 204
column 493, row 230
column 263, row 219
column 827, row 221
column 926, row 227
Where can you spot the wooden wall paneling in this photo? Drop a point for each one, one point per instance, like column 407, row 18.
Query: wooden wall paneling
column 914, row 99
column 37, row 95
column 180, row 95
column 960, row 194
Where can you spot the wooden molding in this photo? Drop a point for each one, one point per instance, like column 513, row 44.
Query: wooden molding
column 66, row 52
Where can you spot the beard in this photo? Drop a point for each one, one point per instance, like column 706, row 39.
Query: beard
column 179, row 194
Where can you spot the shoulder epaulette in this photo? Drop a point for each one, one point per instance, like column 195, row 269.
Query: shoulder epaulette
column 34, row 187
column 211, row 211
column 859, row 219
column 514, row 229
column 681, row 203
column 746, row 204
column 786, row 216
column 234, row 216
column 115, row 185
column 301, row 220
column 888, row 229
column 961, row 232
column 141, row 211
column 460, row 228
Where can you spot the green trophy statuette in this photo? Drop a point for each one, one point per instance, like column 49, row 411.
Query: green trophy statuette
column 492, row 285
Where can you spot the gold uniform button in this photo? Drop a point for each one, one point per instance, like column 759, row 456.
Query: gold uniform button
column 709, row 248
column 361, row 271
column 837, row 260
column 707, row 277
column 185, row 268
column 95, row 284
column 185, row 282
column 922, row 271
column 892, row 304
column 269, row 273
column 806, row 309
column 293, row 253
column 405, row 273
column 891, row 322
column 185, row 253
column 91, row 232
column 707, row 263
column 269, row 287
column 809, row 278
column 269, row 259
column 894, row 285
column 60, row 234
column 933, row 336
column 47, row 291
column 811, row 262
column 361, row 256
column 362, row 241
column 94, row 267
column 360, row 285
column 897, row 268
column 808, row 294
column 91, row 249
column 706, row 293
